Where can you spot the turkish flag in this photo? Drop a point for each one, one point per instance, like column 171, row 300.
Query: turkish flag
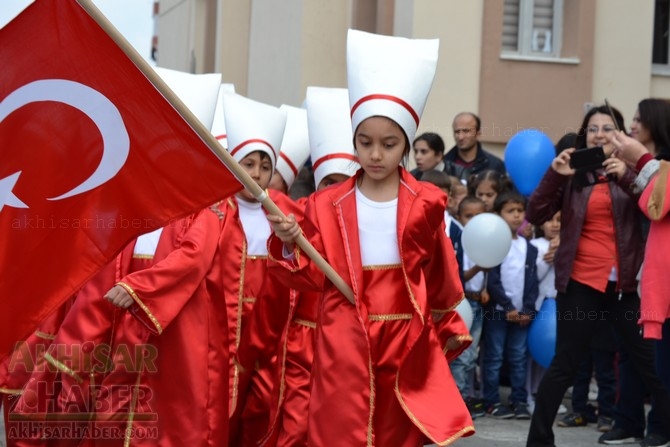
column 91, row 156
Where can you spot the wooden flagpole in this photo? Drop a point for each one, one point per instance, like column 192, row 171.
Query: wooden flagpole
column 212, row 142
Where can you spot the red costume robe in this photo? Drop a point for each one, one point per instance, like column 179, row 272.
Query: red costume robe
column 343, row 395
column 243, row 286
column 162, row 379
column 284, row 325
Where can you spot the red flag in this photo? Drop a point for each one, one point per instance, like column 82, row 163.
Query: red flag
column 91, row 156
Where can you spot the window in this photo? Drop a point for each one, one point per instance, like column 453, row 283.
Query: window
column 532, row 27
column 661, row 31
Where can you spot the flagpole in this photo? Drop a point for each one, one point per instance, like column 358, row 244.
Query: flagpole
column 212, row 142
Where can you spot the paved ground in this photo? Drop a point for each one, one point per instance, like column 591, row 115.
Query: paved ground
column 499, row 433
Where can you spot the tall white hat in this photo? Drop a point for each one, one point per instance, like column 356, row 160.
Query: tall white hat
column 252, row 126
column 330, row 137
column 219, row 124
column 295, row 144
column 197, row 91
column 389, row 76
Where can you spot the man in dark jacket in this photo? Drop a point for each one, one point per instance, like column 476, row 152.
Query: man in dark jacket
column 468, row 157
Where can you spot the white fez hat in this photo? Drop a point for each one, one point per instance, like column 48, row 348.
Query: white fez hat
column 295, row 144
column 219, row 124
column 330, row 137
column 197, row 91
column 389, row 76
column 252, row 126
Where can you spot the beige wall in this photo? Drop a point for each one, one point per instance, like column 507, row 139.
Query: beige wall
column 622, row 54
column 520, row 94
column 273, row 50
column 174, row 42
column 232, row 50
column 456, row 87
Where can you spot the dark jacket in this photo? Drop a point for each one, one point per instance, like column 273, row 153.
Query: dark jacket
column 483, row 161
column 531, row 285
column 557, row 192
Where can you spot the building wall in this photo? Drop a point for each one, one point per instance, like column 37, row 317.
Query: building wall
column 548, row 94
column 273, row 50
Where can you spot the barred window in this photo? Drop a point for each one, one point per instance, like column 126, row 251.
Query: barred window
column 532, row 27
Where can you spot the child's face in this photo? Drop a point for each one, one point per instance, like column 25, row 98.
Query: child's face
column 486, row 193
column 552, row 227
column 469, row 211
column 380, row 144
column 331, row 179
column 278, row 183
column 513, row 213
column 259, row 167
column 458, row 191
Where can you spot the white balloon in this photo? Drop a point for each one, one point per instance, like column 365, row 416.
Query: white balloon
column 464, row 309
column 486, row 239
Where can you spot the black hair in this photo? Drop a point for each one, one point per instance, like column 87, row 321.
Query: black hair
column 566, row 142
column 437, row 178
column 501, row 183
column 508, row 197
column 434, row 141
column 655, row 117
column 580, row 142
column 470, row 200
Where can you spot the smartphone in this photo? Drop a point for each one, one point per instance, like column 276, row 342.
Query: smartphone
column 588, row 159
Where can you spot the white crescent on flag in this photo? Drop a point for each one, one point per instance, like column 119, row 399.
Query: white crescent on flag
column 103, row 113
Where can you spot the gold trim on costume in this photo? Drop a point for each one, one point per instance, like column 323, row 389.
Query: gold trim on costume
column 238, row 329
column 307, row 323
column 131, row 413
column 382, row 267
column 389, row 317
column 62, row 367
column 45, row 335
column 254, row 257
column 372, row 398
column 419, row 425
column 142, row 306
column 215, row 209
column 249, row 299
column 140, row 256
column 458, row 338
column 10, row 391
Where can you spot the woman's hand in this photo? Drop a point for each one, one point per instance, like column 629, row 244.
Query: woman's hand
column 287, row 229
column 614, row 166
column 628, row 149
column 561, row 163
column 119, row 297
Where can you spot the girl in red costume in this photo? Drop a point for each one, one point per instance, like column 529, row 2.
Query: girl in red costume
column 380, row 376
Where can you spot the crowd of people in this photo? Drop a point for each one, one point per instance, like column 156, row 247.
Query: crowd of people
column 219, row 329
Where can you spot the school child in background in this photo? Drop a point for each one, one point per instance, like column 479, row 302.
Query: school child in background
column 514, row 288
column 288, row 323
column 380, row 375
column 294, row 150
column 457, row 191
column 546, row 242
column 454, row 228
column 487, row 185
column 474, row 283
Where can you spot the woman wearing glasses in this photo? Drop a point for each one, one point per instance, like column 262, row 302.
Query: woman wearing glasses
column 596, row 266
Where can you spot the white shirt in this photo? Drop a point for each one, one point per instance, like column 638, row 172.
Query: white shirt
column 146, row 244
column 377, row 230
column 545, row 272
column 513, row 272
column 256, row 227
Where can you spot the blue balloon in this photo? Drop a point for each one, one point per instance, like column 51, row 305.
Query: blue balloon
column 528, row 154
column 542, row 334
